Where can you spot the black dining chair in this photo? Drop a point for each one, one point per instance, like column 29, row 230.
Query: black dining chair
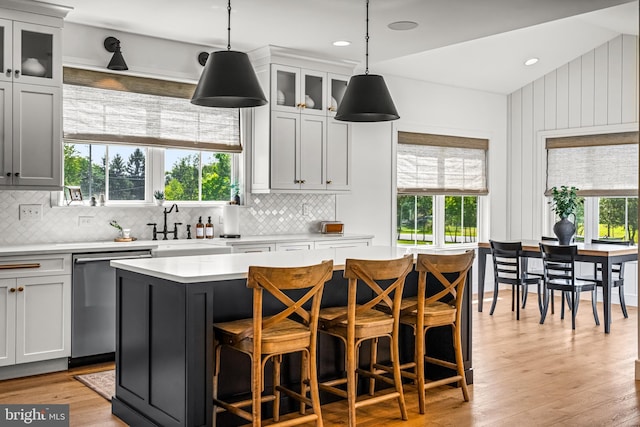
column 507, row 270
column 559, row 274
column 617, row 272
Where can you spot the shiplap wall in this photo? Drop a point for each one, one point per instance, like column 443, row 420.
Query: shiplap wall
column 595, row 90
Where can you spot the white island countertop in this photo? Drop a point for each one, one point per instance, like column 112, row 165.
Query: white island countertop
column 211, row 268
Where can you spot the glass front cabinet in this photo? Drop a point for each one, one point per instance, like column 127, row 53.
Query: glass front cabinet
column 31, row 53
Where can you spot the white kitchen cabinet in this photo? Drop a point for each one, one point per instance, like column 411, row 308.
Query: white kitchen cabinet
column 31, row 137
column 342, row 243
column 35, row 309
column 294, row 246
column 30, row 98
column 298, row 90
column 253, row 247
column 31, row 53
column 305, row 148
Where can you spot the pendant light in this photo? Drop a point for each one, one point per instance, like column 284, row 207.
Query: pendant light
column 367, row 98
column 228, row 79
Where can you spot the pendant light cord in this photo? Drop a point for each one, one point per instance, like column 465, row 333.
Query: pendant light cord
column 366, row 41
column 229, row 25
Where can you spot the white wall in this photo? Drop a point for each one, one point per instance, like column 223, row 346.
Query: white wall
column 423, row 107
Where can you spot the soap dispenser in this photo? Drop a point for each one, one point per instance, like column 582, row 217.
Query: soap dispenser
column 208, row 230
column 200, row 229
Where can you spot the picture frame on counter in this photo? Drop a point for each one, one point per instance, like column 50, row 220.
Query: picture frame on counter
column 73, row 194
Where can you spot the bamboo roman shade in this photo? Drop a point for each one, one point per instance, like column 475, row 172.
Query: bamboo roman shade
column 598, row 165
column 431, row 164
column 109, row 108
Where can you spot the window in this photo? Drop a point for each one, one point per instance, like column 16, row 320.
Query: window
column 618, row 218
column 197, row 175
column 439, row 181
column 89, row 165
column 114, row 125
column 604, row 167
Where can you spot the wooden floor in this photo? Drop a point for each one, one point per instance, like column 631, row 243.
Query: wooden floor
column 525, row 374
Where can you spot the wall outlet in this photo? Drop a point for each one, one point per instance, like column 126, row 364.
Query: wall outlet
column 31, row 212
column 85, row 221
column 305, row 209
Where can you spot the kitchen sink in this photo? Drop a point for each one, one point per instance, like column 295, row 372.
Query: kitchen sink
column 168, row 248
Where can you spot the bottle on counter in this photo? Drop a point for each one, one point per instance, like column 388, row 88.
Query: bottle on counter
column 208, row 230
column 200, row 229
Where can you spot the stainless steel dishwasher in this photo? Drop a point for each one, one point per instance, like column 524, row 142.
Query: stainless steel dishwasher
column 93, row 305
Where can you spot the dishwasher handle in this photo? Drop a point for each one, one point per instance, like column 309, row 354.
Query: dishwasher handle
column 110, row 258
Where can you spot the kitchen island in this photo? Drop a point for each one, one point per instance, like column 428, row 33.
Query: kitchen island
column 165, row 309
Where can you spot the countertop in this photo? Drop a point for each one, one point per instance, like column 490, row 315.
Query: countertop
column 109, row 246
column 208, row 268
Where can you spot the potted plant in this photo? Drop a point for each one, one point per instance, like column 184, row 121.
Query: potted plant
column 235, row 193
column 158, row 197
column 564, row 202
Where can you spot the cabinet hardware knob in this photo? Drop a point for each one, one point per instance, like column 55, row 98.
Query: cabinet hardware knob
column 8, row 173
column 299, row 105
column 17, row 73
column 303, row 181
column 329, row 182
column 20, row 289
column 17, row 174
column 296, row 181
column 331, row 108
column 8, row 73
column 12, row 290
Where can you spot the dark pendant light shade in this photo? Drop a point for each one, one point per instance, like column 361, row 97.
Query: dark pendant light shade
column 367, row 99
column 117, row 63
column 228, row 81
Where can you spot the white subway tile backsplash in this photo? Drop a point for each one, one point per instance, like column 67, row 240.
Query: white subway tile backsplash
column 262, row 214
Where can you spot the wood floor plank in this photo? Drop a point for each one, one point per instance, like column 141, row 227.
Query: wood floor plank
column 525, row 374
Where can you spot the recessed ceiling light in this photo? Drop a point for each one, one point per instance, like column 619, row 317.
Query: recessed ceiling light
column 531, row 61
column 403, row 25
column 341, row 43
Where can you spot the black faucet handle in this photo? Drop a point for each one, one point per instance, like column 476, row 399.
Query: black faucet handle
column 175, row 230
column 155, row 230
column 188, row 231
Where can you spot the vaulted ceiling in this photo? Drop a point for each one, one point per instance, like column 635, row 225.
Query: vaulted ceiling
column 466, row 43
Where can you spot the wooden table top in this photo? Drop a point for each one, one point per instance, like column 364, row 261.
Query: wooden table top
column 583, row 248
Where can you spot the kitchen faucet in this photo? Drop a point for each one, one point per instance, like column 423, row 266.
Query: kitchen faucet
column 164, row 231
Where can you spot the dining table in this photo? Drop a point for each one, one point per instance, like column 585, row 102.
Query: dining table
column 604, row 254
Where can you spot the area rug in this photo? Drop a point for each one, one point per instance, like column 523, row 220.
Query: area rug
column 103, row 383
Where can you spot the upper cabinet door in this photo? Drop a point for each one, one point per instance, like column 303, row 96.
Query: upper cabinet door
column 285, row 89
column 36, row 54
column 6, row 69
column 6, row 135
column 337, row 87
column 313, row 92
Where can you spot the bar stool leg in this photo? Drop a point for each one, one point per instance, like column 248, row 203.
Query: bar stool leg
column 373, row 360
column 216, row 375
column 397, row 377
column 277, row 362
column 457, row 344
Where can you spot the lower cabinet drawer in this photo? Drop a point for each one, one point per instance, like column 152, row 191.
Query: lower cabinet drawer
column 37, row 265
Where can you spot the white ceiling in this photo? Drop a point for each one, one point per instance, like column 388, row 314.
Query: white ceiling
column 466, row 43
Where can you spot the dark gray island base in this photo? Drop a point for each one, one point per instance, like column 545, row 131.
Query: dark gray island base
column 164, row 347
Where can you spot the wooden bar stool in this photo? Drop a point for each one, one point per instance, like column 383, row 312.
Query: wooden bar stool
column 293, row 329
column 357, row 323
column 444, row 308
